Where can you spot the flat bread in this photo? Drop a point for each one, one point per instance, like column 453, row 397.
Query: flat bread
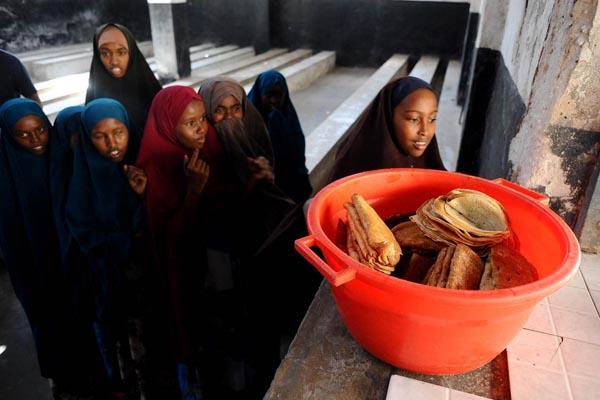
column 465, row 270
column 506, row 268
column 409, row 235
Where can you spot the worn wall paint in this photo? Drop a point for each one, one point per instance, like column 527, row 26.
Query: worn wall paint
column 32, row 24
column 556, row 159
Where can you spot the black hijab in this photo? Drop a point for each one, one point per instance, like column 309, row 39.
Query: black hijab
column 135, row 90
column 370, row 142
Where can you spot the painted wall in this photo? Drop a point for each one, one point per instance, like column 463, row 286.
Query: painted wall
column 366, row 32
column 245, row 23
column 33, row 24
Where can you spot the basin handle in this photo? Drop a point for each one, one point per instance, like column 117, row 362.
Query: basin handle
column 335, row 278
column 539, row 197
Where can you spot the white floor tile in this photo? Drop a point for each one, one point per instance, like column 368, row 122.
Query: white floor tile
column 528, row 383
column 574, row 299
column 577, row 281
column 584, row 388
column 573, row 325
column 540, row 318
column 401, row 387
column 536, row 349
column 581, row 358
column 590, row 268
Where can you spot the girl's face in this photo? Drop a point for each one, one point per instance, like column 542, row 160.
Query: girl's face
column 414, row 121
column 192, row 126
column 111, row 137
column 114, row 52
column 273, row 98
column 32, row 134
column 228, row 108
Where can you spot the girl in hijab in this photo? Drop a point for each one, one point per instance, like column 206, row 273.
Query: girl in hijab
column 29, row 241
column 226, row 99
column 271, row 97
column 103, row 214
column 120, row 71
column 170, row 154
column 395, row 131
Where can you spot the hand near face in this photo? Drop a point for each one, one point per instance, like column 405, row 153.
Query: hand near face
column 197, row 172
column 137, row 179
column 261, row 169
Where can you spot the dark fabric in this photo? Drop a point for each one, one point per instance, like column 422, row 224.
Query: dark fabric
column 103, row 214
column 369, row 143
column 135, row 90
column 286, row 135
column 67, row 122
column 15, row 79
column 214, row 90
column 176, row 239
column 29, row 243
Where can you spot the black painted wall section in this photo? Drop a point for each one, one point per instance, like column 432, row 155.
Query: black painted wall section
column 367, row 32
column 493, row 119
column 32, row 24
column 578, row 150
column 467, row 61
column 245, row 23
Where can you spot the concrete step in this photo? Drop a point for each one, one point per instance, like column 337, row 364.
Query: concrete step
column 302, row 74
column 449, row 128
column 425, row 68
column 55, row 107
column 321, row 142
column 52, row 67
column 248, row 75
column 210, row 52
column 199, row 74
column 33, row 55
column 224, row 58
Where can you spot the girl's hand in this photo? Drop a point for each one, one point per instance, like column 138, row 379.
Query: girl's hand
column 197, row 172
column 137, row 179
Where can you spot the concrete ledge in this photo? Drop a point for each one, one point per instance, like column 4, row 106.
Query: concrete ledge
column 249, row 74
column 301, row 75
column 324, row 138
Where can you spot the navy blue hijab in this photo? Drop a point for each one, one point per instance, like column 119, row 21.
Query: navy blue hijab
column 286, row 135
column 29, row 242
column 102, row 211
column 67, row 123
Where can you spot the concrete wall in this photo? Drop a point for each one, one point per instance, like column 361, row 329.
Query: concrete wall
column 245, row 23
column 32, row 24
column 533, row 116
column 364, row 32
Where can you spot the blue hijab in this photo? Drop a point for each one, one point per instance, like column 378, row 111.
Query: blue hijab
column 67, row 123
column 102, row 211
column 29, row 243
column 286, row 135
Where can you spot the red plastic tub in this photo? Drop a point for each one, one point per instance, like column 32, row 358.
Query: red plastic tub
column 427, row 329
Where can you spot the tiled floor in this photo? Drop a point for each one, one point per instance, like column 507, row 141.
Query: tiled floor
column 555, row 356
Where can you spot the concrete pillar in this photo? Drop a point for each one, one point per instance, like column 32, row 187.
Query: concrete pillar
column 169, row 22
column 557, row 147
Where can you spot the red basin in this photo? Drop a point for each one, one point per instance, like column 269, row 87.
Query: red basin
column 422, row 328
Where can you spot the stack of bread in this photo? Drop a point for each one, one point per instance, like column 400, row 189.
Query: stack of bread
column 453, row 241
column 463, row 216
